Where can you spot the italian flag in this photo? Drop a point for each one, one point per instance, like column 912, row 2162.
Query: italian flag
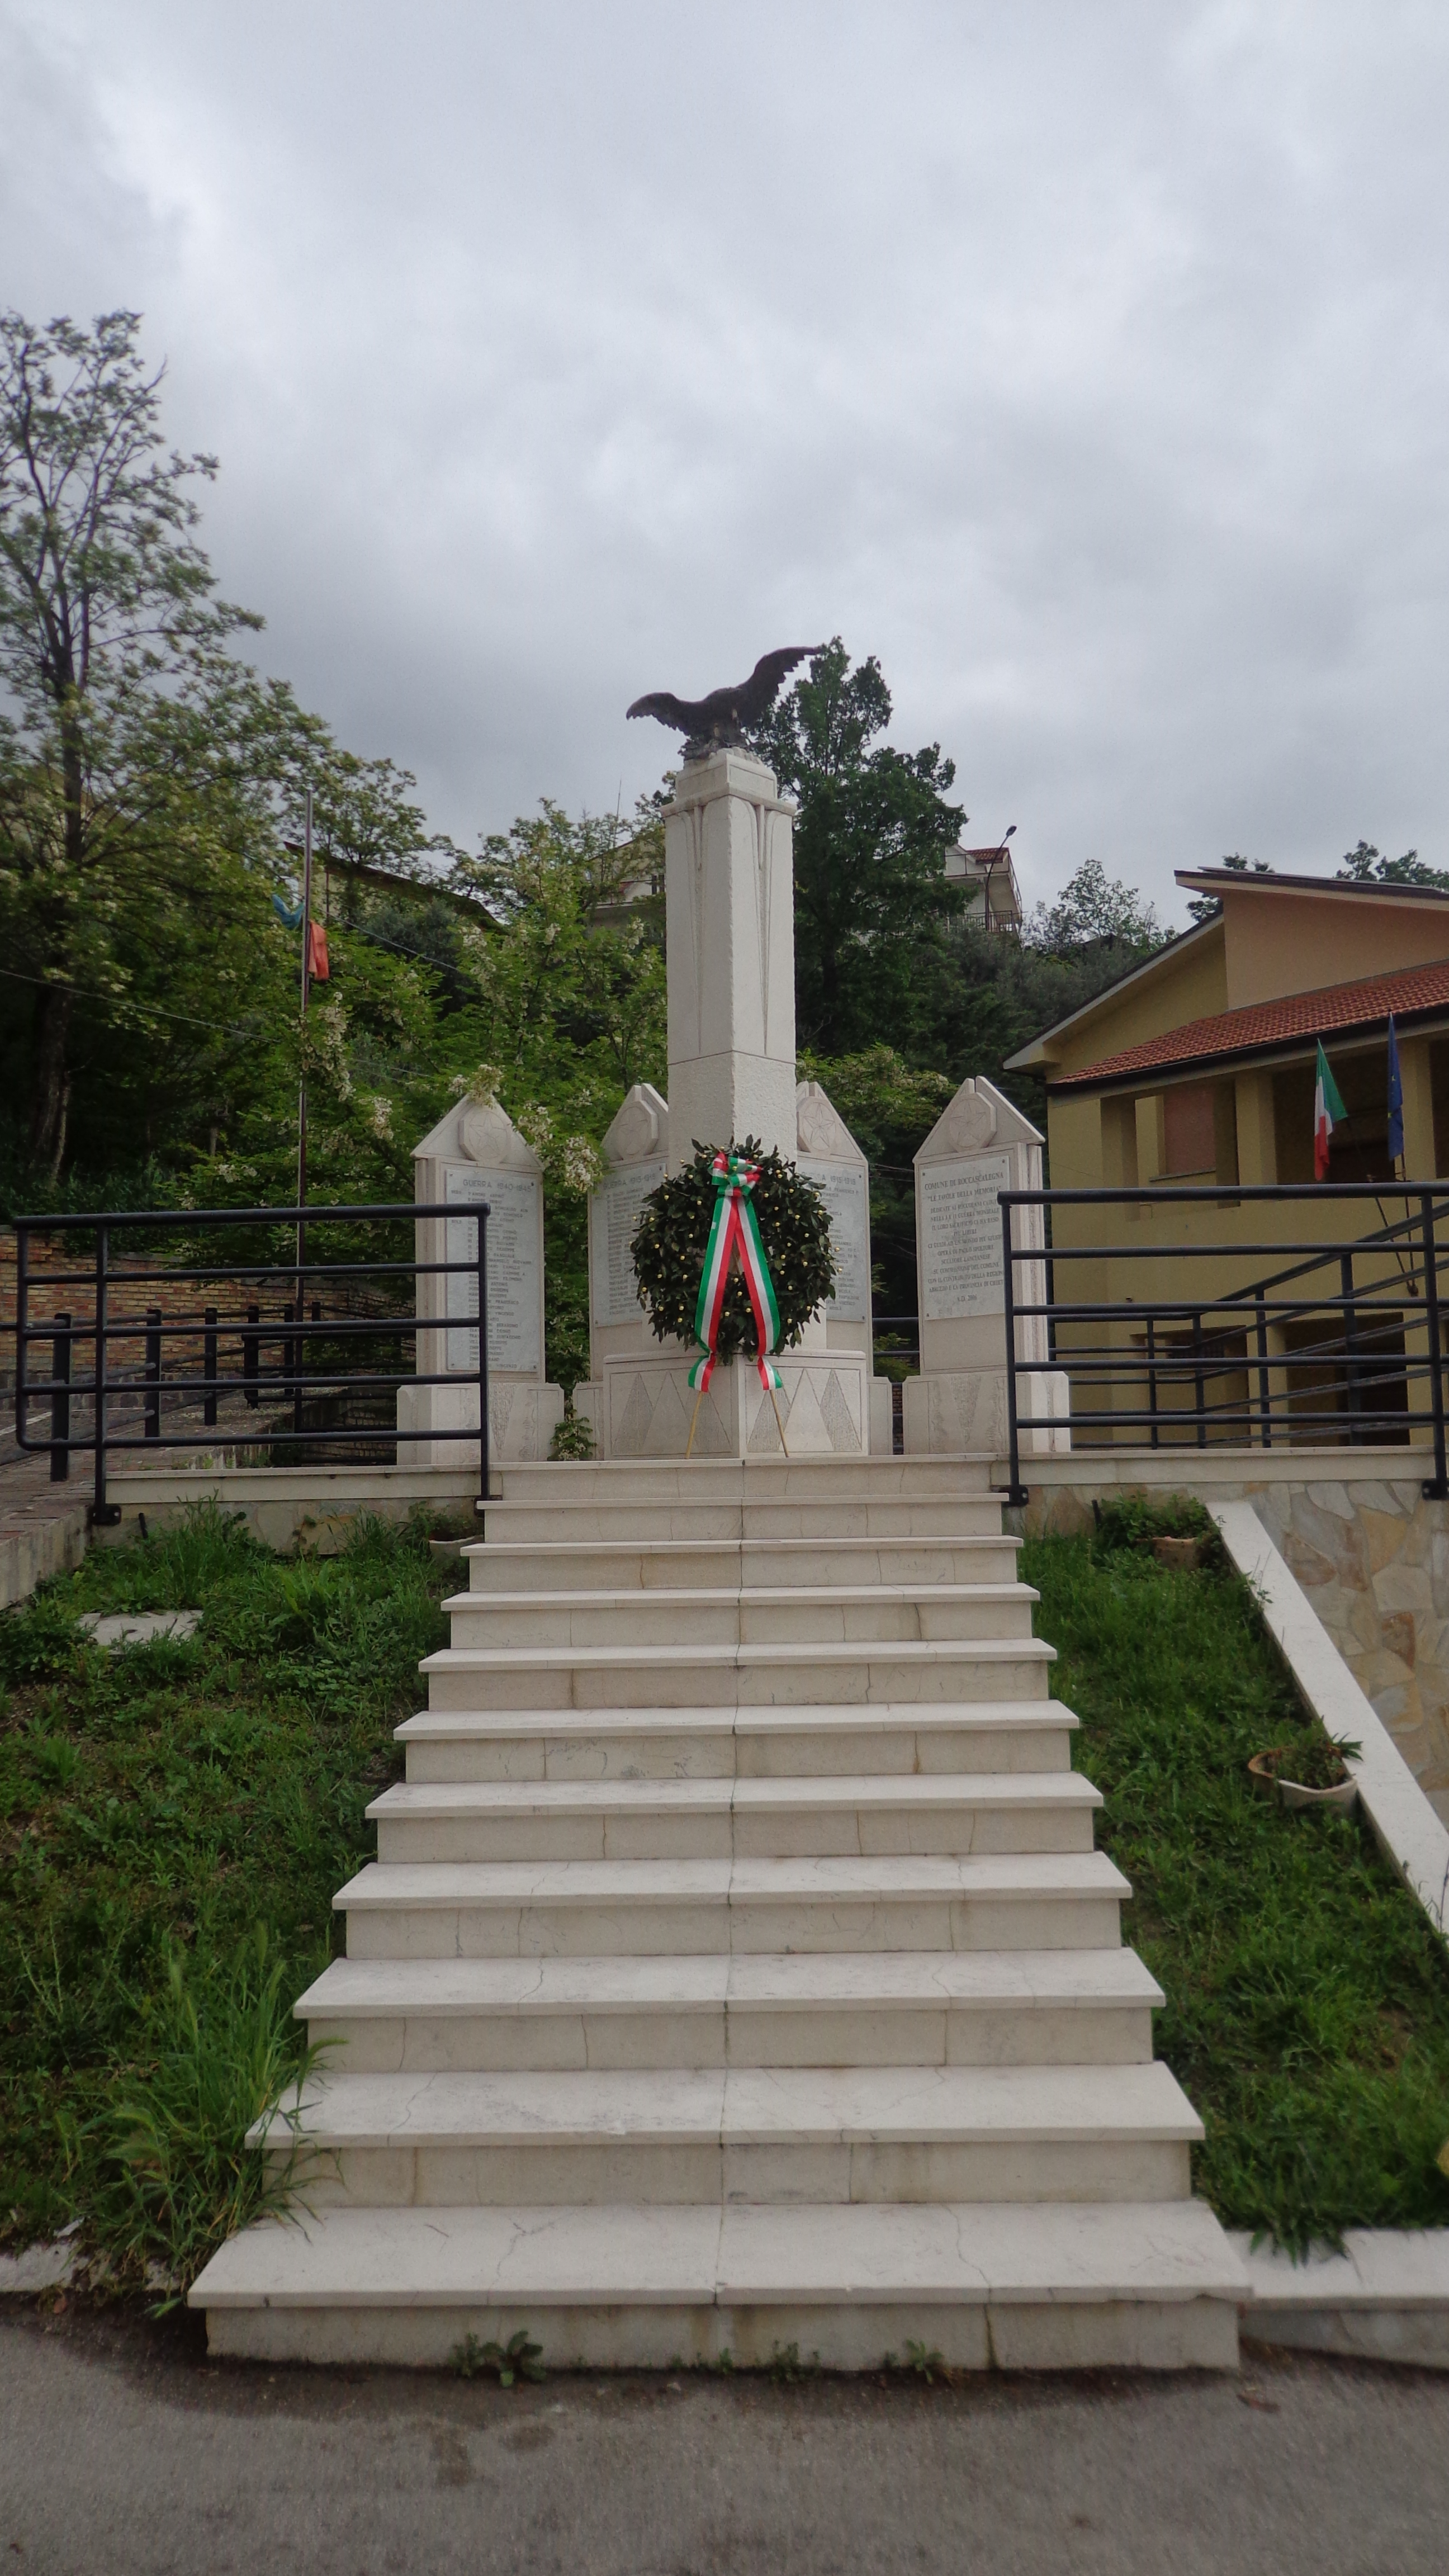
column 1328, row 1109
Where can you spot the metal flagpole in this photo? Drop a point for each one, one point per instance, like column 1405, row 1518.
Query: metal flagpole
column 302, row 1067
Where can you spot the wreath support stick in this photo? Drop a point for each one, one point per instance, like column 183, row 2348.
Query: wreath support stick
column 694, row 1423
column 779, row 1425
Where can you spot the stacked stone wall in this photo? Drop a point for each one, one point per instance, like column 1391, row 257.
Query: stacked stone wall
column 1372, row 1556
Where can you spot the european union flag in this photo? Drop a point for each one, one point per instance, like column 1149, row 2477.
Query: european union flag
column 1396, row 1098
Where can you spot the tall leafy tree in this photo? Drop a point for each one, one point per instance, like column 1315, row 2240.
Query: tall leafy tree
column 151, row 785
column 113, row 645
column 871, row 838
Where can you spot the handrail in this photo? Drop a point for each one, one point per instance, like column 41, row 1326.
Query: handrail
column 202, row 1340
column 1200, row 1338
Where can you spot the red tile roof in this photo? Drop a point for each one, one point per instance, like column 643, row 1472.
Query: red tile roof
column 1302, row 1017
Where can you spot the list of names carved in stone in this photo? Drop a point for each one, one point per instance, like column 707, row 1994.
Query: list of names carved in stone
column 615, row 1210
column 515, row 1270
column 961, row 1270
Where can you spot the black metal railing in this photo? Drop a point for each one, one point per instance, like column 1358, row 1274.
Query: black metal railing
column 235, row 1324
column 1339, row 1342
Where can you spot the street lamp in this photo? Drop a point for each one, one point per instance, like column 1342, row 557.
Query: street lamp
column 997, row 855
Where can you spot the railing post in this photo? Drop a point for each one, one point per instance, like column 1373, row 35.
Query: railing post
column 484, row 1464
column 1051, row 1294
column 153, row 1373
column 1199, row 1384
column 208, row 1371
column 294, row 1362
column 22, row 1318
column 1350, row 1348
column 1265, row 1399
column 1437, row 1487
column 1153, row 1440
column 60, row 1403
column 252, row 1360
column 104, row 1515
column 1016, row 1490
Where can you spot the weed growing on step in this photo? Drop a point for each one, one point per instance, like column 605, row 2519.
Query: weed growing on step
column 517, row 2359
column 174, row 1822
column 925, row 2361
column 1307, row 1993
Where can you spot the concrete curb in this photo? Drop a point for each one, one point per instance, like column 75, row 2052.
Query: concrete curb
column 36, row 1545
column 1404, row 1823
column 48, row 2266
column 1384, row 2298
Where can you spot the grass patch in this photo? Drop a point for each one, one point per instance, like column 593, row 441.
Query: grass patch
column 174, row 1822
column 1307, row 1993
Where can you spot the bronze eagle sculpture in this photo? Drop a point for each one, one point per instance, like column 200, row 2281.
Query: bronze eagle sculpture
column 718, row 722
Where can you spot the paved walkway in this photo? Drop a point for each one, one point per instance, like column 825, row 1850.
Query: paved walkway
column 126, row 2451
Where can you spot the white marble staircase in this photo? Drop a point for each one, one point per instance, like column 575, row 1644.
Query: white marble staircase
column 737, row 1970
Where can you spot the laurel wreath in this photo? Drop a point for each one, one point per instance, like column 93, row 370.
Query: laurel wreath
column 673, row 1230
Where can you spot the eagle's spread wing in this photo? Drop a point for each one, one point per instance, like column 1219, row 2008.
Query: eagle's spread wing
column 669, row 709
column 758, row 694
column 772, row 667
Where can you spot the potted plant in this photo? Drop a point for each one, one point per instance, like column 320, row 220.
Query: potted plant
column 1311, row 1773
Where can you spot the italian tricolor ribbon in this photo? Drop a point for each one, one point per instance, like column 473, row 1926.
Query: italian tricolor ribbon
column 735, row 1227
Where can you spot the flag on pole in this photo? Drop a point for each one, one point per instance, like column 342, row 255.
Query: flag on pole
column 1328, row 1109
column 317, row 966
column 1396, row 1098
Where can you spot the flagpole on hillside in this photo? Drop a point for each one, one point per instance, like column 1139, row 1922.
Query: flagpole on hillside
column 302, row 1067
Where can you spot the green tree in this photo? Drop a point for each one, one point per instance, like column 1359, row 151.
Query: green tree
column 1093, row 910
column 1366, row 866
column 571, row 1012
column 112, row 641
column 151, row 788
column 871, row 839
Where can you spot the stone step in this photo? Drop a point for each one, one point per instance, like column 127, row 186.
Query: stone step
column 713, row 1743
column 603, row 1565
column 1049, row 2287
column 694, row 1517
column 738, row 1676
column 893, row 2008
column 796, row 1615
column 756, row 2134
column 779, row 1819
column 625, row 1483
column 570, row 1909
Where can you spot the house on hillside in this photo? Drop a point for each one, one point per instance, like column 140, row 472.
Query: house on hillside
column 993, row 897
column 1198, row 1068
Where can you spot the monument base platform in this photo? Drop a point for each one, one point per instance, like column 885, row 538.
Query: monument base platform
column 522, row 1417
column 948, row 1412
column 643, row 1408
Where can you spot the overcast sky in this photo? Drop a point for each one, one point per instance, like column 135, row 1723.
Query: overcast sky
column 1083, row 359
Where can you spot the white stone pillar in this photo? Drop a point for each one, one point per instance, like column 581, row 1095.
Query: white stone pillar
column 980, row 1144
column 474, row 1153
column 729, row 902
column 636, row 1157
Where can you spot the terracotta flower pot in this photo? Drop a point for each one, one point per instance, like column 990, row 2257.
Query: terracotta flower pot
column 1184, row 1555
column 1295, row 1793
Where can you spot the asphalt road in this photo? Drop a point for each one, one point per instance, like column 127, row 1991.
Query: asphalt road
column 124, row 2452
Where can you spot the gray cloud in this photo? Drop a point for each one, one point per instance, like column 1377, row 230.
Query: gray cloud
column 1086, row 364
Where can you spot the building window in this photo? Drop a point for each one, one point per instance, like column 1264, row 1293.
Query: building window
column 1188, row 1132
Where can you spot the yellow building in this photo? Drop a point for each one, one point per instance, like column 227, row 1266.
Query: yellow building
column 1197, row 1069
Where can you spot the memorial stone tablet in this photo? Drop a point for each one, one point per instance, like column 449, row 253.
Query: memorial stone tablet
column 515, row 1284
column 961, row 1270
column 613, row 1287
column 842, row 1186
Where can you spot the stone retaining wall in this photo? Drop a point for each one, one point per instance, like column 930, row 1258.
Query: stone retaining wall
column 1370, row 1552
